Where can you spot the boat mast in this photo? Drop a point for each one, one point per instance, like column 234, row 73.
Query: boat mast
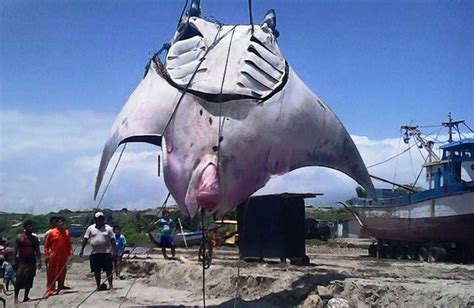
column 413, row 131
column 450, row 126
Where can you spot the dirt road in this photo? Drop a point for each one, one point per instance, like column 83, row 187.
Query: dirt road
column 347, row 272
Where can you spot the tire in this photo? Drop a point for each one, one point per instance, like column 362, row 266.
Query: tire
column 390, row 252
column 437, row 254
column 373, row 250
column 423, row 254
column 412, row 252
column 400, row 252
column 382, row 251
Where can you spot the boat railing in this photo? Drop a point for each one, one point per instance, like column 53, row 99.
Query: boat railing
column 428, row 194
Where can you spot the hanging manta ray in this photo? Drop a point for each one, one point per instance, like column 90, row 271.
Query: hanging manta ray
column 229, row 112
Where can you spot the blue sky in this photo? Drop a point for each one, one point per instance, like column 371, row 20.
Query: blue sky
column 67, row 67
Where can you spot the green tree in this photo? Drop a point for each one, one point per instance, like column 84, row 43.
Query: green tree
column 361, row 193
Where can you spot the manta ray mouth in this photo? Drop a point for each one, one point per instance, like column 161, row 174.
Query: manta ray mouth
column 209, row 195
column 188, row 32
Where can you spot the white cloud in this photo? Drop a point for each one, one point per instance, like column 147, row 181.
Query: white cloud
column 25, row 134
column 49, row 162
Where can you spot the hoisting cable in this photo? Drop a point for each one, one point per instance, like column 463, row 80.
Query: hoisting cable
column 90, row 220
column 220, row 128
column 396, row 162
column 250, row 14
column 146, row 257
column 111, row 176
column 241, row 232
column 134, row 280
column 123, row 260
column 182, row 13
column 216, row 40
column 106, row 278
column 203, row 244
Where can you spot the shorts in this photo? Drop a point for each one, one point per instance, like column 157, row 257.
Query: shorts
column 166, row 241
column 9, row 279
column 101, row 261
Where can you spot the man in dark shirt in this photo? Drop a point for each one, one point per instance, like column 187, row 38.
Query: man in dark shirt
column 26, row 253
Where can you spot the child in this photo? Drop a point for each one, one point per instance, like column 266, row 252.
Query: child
column 120, row 243
column 8, row 272
column 167, row 230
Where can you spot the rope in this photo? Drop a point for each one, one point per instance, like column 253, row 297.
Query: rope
column 221, row 125
column 203, row 260
column 182, row 13
column 133, row 249
column 238, row 260
column 111, row 176
column 55, row 278
column 411, row 163
column 472, row 131
column 134, row 281
column 214, row 43
column 237, row 281
column 90, row 220
column 396, row 163
column 250, row 14
column 388, row 159
column 419, row 173
column 105, row 280
column 419, row 151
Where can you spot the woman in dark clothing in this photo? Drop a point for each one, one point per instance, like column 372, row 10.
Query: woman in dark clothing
column 26, row 253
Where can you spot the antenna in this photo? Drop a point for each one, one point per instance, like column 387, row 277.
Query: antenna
column 450, row 125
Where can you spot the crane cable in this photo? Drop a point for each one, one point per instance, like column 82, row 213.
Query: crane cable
column 396, row 162
column 128, row 255
column 206, row 255
column 96, row 208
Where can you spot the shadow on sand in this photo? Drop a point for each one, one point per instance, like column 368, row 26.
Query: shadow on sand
column 300, row 289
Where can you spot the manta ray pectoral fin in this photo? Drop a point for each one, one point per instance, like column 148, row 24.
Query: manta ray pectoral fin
column 142, row 119
column 312, row 135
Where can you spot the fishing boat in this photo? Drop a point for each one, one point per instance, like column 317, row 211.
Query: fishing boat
column 437, row 223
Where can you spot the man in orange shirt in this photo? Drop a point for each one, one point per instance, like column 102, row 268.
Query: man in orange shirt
column 57, row 250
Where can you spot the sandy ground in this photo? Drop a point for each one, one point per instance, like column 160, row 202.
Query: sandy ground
column 363, row 281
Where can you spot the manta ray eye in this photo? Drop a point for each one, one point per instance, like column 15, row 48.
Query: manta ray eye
column 188, row 30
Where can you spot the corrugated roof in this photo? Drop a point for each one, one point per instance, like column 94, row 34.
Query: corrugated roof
column 287, row 195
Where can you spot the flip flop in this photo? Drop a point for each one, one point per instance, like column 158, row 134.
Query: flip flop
column 102, row 287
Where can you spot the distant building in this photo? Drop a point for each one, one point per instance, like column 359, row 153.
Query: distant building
column 348, row 228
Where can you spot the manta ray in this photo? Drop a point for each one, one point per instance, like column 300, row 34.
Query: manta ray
column 229, row 112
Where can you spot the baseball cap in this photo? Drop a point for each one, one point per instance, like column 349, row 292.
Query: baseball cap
column 98, row 214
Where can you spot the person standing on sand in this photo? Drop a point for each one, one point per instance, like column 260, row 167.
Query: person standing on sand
column 167, row 230
column 102, row 240
column 120, row 243
column 8, row 272
column 57, row 251
column 53, row 220
column 26, row 257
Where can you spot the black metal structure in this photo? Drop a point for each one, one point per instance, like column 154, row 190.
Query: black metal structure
column 273, row 226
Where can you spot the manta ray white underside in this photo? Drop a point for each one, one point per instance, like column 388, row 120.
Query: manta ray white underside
column 229, row 113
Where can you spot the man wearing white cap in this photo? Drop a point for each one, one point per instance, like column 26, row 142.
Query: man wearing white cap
column 102, row 240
